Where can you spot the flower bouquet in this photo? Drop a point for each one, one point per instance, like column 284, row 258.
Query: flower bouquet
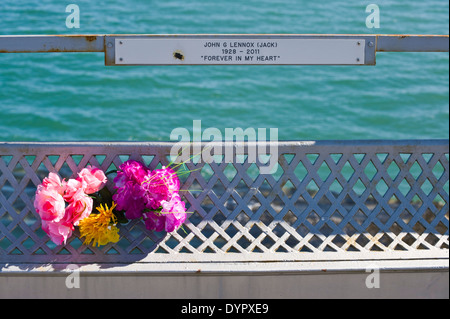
column 152, row 195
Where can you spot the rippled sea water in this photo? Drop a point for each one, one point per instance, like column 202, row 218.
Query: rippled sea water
column 73, row 96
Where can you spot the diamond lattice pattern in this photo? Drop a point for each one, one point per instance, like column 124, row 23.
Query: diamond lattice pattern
column 320, row 198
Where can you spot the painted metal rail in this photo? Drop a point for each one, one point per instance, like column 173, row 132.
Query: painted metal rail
column 325, row 201
column 331, row 44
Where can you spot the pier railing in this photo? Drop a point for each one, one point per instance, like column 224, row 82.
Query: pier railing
column 339, row 206
column 228, row 49
column 325, row 201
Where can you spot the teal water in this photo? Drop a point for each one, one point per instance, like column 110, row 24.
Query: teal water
column 66, row 97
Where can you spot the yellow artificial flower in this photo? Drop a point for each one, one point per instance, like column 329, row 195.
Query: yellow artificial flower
column 100, row 228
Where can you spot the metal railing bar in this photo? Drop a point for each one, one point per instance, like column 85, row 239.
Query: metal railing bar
column 96, row 42
column 51, row 43
column 413, row 43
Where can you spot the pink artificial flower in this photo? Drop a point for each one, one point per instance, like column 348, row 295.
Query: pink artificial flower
column 94, row 178
column 53, row 182
column 80, row 207
column 58, row 221
column 58, row 232
column 49, row 203
column 72, row 187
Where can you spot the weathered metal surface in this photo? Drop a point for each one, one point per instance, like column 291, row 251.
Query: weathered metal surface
column 327, row 201
column 413, row 43
column 234, row 51
column 107, row 44
column 366, row 45
column 138, row 284
column 351, row 264
column 51, row 43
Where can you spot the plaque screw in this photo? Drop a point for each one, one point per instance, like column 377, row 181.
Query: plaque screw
column 370, row 44
column 110, row 45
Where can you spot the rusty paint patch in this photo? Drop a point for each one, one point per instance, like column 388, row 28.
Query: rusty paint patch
column 54, row 50
column 91, row 38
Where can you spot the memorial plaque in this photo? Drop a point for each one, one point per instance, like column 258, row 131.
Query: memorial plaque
column 239, row 51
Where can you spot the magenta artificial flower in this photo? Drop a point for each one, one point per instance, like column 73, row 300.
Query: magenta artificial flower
column 165, row 179
column 130, row 195
column 160, row 186
column 131, row 171
column 154, row 222
column 171, row 217
column 175, row 212
column 142, row 193
column 131, row 198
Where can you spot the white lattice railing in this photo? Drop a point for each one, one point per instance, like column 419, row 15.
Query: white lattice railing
column 328, row 200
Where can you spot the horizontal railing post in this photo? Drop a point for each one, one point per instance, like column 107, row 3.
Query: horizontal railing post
column 412, row 43
column 292, row 43
column 356, row 200
column 51, row 43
